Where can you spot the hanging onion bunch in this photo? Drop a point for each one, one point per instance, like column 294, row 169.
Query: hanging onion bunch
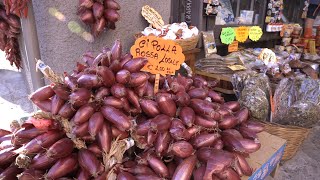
column 99, row 14
column 17, row 7
column 9, row 32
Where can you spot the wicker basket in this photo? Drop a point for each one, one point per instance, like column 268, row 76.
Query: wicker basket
column 186, row 44
column 293, row 134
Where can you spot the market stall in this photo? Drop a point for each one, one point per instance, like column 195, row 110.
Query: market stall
column 171, row 106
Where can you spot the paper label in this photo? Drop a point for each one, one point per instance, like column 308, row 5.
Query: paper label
column 255, row 33
column 233, row 47
column 164, row 56
column 227, row 35
column 152, row 16
column 242, row 34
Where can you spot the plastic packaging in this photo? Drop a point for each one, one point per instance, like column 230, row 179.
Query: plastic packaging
column 297, row 102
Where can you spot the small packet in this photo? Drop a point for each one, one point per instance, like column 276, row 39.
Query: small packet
column 209, row 43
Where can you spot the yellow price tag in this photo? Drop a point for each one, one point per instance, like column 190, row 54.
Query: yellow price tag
column 242, row 34
column 255, row 33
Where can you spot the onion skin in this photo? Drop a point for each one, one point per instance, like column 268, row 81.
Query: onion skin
column 111, row 4
column 202, row 107
column 242, row 115
column 125, row 176
column 151, row 137
column 10, row 173
column 182, row 149
column 61, row 91
column 135, row 65
column 87, row 16
column 117, row 133
column 228, row 122
column 204, row 140
column 42, row 162
column 254, row 126
column 97, row 10
column 229, row 173
column 218, row 163
column 158, row 166
column 42, row 141
column 83, row 114
column 178, row 130
column 6, row 137
column 115, row 66
column 149, row 107
column 233, row 105
column 7, row 156
column 89, row 162
column 198, row 93
column 139, row 169
column 83, row 175
column 67, row 111
column 198, row 173
column 127, row 57
column 80, row 130
column 113, row 101
column 108, row 78
column 183, row 99
column 172, row 167
column 42, row 94
column 28, row 133
column 88, row 81
column 71, row 82
column 101, row 93
column 57, row 103
column 232, row 132
column 200, row 121
column 30, row 175
column 133, row 99
column 111, row 15
column 4, row 132
column 166, row 105
column 123, row 76
column 105, row 137
column 233, row 144
column 63, row 167
column 160, row 123
column 141, row 90
column 95, row 149
column 95, row 123
column 80, row 97
column 249, row 145
column 147, row 177
column 118, row 90
column 61, row 148
column 187, row 115
column 120, row 120
column 218, row 145
column 137, row 79
column 44, row 105
column 116, row 49
column 162, row 142
column 245, row 132
column 143, row 128
column 215, row 97
column 244, row 166
column 199, row 82
column 185, row 169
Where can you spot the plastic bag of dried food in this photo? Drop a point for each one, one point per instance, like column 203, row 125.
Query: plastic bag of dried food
column 209, row 43
column 253, row 91
column 297, row 102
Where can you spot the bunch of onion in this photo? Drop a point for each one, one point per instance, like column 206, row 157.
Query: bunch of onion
column 90, row 119
column 99, row 14
column 17, row 7
column 9, row 32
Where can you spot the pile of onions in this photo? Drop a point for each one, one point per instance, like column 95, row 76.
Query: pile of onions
column 88, row 122
column 9, row 32
column 99, row 14
column 17, row 7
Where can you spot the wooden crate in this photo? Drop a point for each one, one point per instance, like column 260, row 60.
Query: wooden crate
column 225, row 86
column 266, row 161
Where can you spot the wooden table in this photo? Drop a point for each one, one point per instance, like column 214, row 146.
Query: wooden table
column 191, row 56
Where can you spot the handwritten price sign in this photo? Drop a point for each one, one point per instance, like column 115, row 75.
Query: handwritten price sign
column 164, row 56
column 255, row 33
column 227, row 35
column 242, row 34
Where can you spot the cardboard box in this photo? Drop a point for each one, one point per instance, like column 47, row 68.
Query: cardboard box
column 266, row 160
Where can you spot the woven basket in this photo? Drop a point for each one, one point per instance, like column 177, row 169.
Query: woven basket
column 186, row 44
column 293, row 134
